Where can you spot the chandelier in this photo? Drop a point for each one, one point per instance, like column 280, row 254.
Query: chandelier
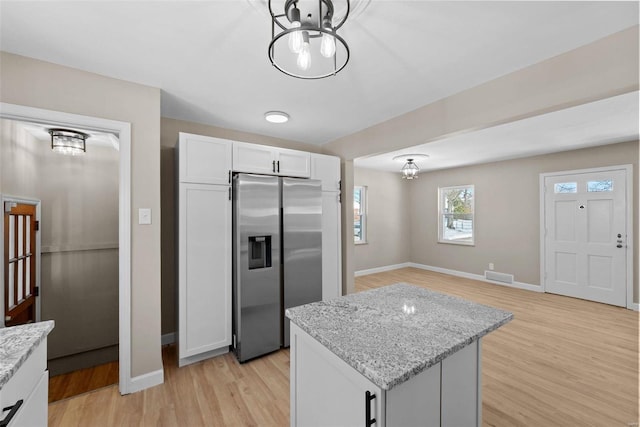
column 69, row 142
column 410, row 169
column 304, row 37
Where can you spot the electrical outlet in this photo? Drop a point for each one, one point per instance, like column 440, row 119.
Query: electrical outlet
column 491, row 266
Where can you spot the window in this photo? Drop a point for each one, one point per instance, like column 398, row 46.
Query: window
column 599, row 186
column 359, row 214
column 455, row 218
column 565, row 187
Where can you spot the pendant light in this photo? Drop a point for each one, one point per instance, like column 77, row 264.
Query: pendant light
column 410, row 169
column 304, row 39
column 68, row 142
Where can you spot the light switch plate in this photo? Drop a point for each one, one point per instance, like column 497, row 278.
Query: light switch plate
column 144, row 216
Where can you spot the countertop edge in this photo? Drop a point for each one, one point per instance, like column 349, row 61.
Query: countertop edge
column 46, row 327
column 388, row 385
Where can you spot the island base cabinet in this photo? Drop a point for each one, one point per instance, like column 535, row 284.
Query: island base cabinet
column 327, row 391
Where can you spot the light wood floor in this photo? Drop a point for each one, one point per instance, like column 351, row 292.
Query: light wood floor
column 83, row 380
column 560, row 362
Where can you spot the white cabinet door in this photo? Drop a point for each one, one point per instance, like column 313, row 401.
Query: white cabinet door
column 204, row 159
column 34, row 410
column 461, row 385
column 326, row 169
column 331, row 246
column 254, row 158
column 325, row 390
column 204, row 290
column 293, row 163
column 264, row 159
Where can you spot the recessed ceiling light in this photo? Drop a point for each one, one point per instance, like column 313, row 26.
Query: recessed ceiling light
column 276, row 117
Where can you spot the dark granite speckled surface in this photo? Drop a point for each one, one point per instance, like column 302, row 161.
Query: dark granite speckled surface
column 16, row 345
column 393, row 333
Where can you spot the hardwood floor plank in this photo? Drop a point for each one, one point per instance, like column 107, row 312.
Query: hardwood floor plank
column 560, row 362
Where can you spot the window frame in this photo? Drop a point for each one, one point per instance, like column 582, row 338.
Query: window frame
column 441, row 213
column 363, row 214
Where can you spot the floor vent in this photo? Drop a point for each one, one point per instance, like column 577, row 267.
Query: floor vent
column 498, row 277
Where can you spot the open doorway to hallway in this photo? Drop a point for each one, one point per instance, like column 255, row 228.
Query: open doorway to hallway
column 78, row 249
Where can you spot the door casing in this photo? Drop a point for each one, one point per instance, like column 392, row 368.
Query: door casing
column 628, row 169
column 123, row 130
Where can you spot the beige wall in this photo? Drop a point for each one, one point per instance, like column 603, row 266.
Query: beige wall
column 169, row 136
column 388, row 214
column 78, row 231
column 507, row 211
column 34, row 83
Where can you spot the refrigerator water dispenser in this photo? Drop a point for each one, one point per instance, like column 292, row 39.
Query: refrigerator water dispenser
column 259, row 252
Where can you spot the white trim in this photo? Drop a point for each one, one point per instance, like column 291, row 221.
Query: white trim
column 634, row 306
column 147, row 380
column 479, row 277
column 169, row 338
column 25, row 201
column 381, row 269
column 123, row 130
column 202, row 356
column 628, row 169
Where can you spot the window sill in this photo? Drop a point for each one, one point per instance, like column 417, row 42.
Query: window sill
column 360, row 243
column 453, row 242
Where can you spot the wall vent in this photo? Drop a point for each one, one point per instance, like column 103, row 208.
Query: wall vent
column 498, row 277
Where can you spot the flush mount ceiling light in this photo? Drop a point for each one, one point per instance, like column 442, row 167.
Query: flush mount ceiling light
column 410, row 169
column 276, row 116
column 304, row 39
column 69, row 142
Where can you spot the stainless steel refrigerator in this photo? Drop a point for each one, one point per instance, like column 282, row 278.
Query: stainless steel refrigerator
column 277, row 257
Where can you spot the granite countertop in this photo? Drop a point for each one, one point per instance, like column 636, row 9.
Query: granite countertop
column 393, row 333
column 16, row 345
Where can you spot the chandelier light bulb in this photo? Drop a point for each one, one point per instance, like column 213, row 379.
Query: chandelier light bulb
column 304, row 57
column 328, row 44
column 295, row 38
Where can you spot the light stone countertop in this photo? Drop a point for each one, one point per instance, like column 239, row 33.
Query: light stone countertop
column 393, row 333
column 16, row 345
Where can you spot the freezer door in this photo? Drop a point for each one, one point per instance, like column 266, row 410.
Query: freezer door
column 301, row 243
column 256, row 265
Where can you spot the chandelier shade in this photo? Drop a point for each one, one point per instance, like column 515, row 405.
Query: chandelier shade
column 304, row 38
column 410, row 169
column 68, row 142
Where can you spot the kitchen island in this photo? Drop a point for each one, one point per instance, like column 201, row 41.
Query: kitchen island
column 399, row 355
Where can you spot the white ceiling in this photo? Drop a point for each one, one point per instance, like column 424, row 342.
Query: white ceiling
column 210, row 57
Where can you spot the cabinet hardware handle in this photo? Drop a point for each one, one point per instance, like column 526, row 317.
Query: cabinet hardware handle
column 278, row 166
column 12, row 412
column 274, row 166
column 229, row 177
column 368, row 397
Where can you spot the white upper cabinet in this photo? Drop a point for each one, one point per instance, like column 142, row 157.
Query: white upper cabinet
column 263, row 159
column 326, row 169
column 204, row 159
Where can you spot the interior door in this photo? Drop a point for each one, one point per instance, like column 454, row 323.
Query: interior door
column 19, row 263
column 585, row 236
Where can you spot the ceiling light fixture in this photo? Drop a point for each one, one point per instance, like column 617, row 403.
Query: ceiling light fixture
column 68, row 142
column 304, row 39
column 410, row 169
column 276, row 116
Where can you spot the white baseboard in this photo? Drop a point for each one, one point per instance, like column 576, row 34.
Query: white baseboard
column 145, row 381
column 634, row 306
column 203, row 356
column 481, row 278
column 169, row 338
column 382, row 269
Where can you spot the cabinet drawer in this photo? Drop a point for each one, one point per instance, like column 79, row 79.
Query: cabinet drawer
column 26, row 378
column 34, row 410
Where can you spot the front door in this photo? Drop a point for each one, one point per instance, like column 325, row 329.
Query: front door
column 20, row 227
column 585, row 235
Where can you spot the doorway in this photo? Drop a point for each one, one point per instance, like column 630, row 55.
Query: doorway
column 586, row 234
column 123, row 131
